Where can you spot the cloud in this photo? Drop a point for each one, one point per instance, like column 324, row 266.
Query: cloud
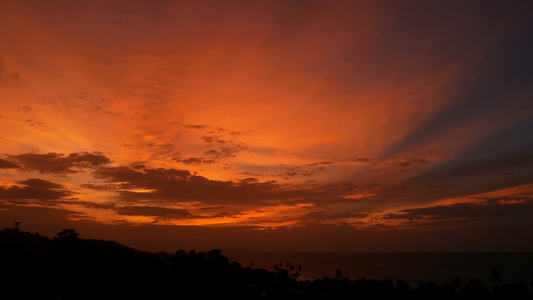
column 308, row 170
column 154, row 211
column 34, row 189
column 211, row 139
column 325, row 215
column 195, row 126
column 59, row 163
column 214, row 155
column 88, row 204
column 322, row 163
column 402, row 216
column 407, row 162
column 519, row 210
column 224, row 152
column 182, row 185
column 5, row 164
column 193, row 161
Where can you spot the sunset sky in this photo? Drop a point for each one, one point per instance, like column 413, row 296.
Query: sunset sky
column 272, row 125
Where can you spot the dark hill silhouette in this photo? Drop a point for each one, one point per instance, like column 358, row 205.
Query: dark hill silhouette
column 69, row 267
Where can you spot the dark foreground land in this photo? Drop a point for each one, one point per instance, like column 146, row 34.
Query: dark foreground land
column 68, row 267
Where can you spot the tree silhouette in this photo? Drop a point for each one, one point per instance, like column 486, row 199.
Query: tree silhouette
column 67, row 235
column 457, row 283
column 495, row 277
column 338, row 274
column 35, row 267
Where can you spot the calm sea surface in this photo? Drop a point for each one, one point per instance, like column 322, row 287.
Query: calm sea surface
column 412, row 267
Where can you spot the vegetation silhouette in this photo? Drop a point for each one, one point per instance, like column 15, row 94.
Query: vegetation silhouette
column 69, row 267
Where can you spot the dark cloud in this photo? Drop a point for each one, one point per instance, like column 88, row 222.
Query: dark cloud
column 407, row 162
column 213, row 155
column 517, row 211
column 59, row 163
column 182, row 185
column 224, row 152
column 41, row 184
column 249, row 180
column 99, row 187
column 212, row 207
column 291, row 172
column 34, row 189
column 304, row 170
column 378, row 227
column 138, row 166
column 162, row 212
column 358, row 159
column 322, row 163
column 503, row 200
column 324, row 215
column 88, row 204
column 231, row 132
column 193, row 161
column 27, row 108
column 209, row 139
column 212, row 139
column 195, row 126
column 402, row 216
column 5, row 164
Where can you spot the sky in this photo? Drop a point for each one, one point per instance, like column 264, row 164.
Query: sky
column 270, row 125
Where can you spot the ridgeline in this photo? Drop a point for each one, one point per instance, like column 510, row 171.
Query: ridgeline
column 69, row 267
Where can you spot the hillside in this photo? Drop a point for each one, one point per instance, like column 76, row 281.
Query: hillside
column 69, row 267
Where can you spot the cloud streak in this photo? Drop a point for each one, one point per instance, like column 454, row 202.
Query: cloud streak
column 6, row 164
column 34, row 189
column 153, row 211
column 504, row 211
column 59, row 163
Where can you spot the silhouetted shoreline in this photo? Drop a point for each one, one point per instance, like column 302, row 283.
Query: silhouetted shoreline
column 413, row 267
column 70, row 267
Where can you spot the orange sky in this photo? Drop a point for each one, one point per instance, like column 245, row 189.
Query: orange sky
column 268, row 119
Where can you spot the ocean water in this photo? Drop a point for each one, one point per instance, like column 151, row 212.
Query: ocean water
column 440, row 268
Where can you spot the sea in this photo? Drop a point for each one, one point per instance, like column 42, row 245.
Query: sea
column 440, row 268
